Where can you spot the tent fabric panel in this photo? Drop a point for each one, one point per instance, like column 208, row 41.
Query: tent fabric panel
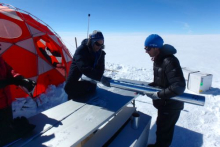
column 21, row 60
column 28, row 45
column 20, row 49
column 9, row 12
column 68, row 64
column 67, row 57
column 34, row 31
column 40, row 44
column 43, row 66
column 52, row 77
column 67, row 53
column 52, row 46
column 4, row 46
column 34, row 78
column 13, row 30
column 17, row 92
column 34, row 23
column 9, row 29
column 39, row 34
column 54, row 59
column 55, row 39
column 62, row 71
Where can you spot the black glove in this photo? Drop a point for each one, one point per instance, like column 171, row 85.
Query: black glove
column 105, row 81
column 17, row 80
column 27, row 83
column 152, row 84
column 139, row 93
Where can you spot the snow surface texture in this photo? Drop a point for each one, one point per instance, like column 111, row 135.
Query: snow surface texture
column 126, row 58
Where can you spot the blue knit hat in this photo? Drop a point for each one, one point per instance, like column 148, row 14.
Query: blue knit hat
column 154, row 40
column 96, row 35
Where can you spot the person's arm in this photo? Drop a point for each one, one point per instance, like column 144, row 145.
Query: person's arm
column 4, row 83
column 27, row 83
column 10, row 73
column 174, row 75
column 14, row 78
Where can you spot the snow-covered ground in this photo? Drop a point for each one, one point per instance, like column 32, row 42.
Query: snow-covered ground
column 126, row 58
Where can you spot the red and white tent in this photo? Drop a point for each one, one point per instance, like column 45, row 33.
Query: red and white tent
column 24, row 43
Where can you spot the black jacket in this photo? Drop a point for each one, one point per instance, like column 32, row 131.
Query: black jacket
column 168, row 75
column 86, row 62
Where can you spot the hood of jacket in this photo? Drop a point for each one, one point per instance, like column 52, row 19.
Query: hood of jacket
column 165, row 51
column 84, row 42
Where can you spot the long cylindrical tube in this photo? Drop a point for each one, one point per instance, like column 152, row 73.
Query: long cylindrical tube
column 139, row 88
column 185, row 97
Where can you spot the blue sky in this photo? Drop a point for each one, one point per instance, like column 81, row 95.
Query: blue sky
column 142, row 16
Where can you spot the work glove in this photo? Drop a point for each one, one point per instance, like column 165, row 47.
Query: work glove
column 152, row 84
column 105, row 81
column 152, row 95
column 139, row 93
column 26, row 83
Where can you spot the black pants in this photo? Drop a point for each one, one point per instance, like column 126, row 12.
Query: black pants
column 12, row 129
column 6, row 116
column 166, row 121
column 79, row 90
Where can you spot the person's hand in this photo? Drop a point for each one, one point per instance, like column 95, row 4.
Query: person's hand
column 152, row 95
column 105, row 81
column 139, row 93
column 17, row 80
column 152, row 84
column 28, row 84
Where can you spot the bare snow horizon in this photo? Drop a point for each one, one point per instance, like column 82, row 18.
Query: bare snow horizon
column 126, row 58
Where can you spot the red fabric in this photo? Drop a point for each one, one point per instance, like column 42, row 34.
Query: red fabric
column 26, row 66
column 21, row 36
column 46, row 79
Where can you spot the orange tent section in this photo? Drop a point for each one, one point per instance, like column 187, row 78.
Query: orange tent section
column 32, row 49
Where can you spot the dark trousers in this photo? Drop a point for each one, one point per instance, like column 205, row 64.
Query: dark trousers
column 6, row 115
column 79, row 90
column 12, row 129
column 166, row 121
column 6, row 118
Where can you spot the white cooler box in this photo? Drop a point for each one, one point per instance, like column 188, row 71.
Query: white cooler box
column 197, row 81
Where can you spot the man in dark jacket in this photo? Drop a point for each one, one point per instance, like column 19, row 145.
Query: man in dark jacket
column 89, row 59
column 168, row 76
column 11, row 129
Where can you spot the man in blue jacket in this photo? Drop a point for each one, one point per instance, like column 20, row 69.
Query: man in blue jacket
column 88, row 60
column 168, row 76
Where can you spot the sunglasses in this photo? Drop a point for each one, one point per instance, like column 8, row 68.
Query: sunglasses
column 98, row 44
column 148, row 48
